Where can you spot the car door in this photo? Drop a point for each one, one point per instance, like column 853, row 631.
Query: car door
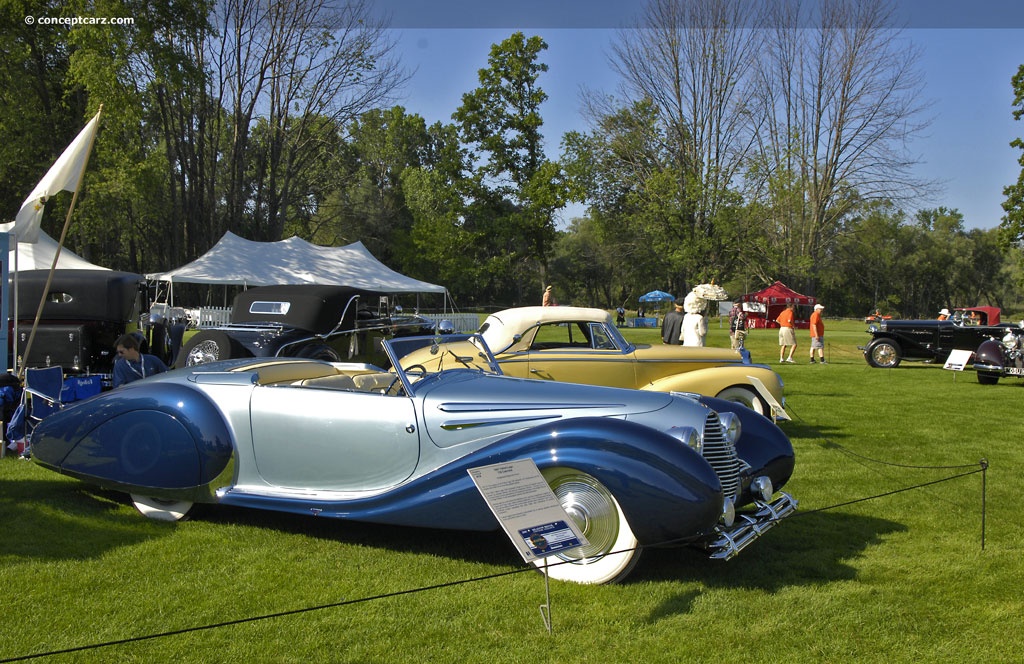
column 333, row 440
column 580, row 352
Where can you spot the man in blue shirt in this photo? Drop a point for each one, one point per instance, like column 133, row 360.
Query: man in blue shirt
column 131, row 364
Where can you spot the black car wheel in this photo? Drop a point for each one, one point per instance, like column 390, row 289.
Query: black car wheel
column 988, row 377
column 318, row 352
column 883, row 354
column 207, row 346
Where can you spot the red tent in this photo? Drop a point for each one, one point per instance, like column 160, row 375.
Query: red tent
column 764, row 306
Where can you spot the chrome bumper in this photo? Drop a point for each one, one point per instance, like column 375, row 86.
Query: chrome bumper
column 748, row 527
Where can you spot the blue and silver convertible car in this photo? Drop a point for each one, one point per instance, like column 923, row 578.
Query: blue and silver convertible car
column 355, row 441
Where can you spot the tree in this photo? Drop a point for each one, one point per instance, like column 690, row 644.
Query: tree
column 501, row 123
column 840, row 103
column 691, row 59
column 40, row 112
column 1013, row 221
column 301, row 63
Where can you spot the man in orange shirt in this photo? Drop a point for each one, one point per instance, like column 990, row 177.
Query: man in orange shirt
column 818, row 334
column 787, row 333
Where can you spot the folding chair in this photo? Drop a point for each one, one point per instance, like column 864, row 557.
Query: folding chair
column 41, row 397
column 43, row 387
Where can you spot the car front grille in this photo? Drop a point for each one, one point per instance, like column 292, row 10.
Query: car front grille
column 721, row 455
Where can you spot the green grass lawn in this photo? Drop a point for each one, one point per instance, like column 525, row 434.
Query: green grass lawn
column 897, row 578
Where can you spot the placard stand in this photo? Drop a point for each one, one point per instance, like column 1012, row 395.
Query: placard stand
column 530, row 514
column 957, row 360
column 545, row 608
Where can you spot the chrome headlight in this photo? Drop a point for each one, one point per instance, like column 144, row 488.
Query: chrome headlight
column 688, row 436
column 1010, row 340
column 731, row 426
column 873, row 328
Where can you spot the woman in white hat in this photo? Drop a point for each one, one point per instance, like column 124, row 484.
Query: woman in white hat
column 944, row 314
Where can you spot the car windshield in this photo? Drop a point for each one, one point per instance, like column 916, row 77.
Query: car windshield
column 415, row 358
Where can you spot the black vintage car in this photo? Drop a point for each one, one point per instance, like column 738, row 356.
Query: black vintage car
column 998, row 357
column 333, row 323
column 893, row 341
column 84, row 312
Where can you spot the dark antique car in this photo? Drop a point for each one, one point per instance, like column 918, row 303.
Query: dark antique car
column 308, row 321
column 893, row 341
column 354, row 441
column 998, row 357
column 84, row 313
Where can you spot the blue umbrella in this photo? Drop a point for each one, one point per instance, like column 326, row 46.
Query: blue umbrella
column 656, row 296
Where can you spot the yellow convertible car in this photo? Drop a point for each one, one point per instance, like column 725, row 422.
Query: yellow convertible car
column 582, row 345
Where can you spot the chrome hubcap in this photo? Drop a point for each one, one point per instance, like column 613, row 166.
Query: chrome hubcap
column 592, row 509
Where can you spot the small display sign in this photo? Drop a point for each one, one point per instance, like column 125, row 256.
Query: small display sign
column 527, row 509
column 958, row 359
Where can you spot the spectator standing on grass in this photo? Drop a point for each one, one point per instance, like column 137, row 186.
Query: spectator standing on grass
column 737, row 327
column 787, row 333
column 818, row 334
column 672, row 328
column 695, row 324
column 549, row 298
column 132, row 364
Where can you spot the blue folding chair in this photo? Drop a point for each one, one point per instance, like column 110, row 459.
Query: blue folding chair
column 41, row 397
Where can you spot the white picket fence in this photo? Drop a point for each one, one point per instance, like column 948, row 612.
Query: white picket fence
column 208, row 316
column 461, row 322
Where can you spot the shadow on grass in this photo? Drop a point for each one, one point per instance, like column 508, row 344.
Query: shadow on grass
column 800, row 429
column 490, row 547
column 812, row 549
column 815, row 548
column 61, row 519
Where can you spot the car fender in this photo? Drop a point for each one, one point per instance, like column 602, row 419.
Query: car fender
column 666, row 490
column 160, row 436
column 715, row 379
column 989, row 356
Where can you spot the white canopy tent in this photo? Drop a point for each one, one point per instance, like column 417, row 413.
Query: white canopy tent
column 237, row 261
column 38, row 255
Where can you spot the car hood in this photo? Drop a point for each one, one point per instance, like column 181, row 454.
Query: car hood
column 455, row 410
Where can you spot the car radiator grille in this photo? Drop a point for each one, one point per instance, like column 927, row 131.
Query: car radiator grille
column 721, row 455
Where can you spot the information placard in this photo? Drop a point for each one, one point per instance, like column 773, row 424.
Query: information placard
column 527, row 509
column 958, row 359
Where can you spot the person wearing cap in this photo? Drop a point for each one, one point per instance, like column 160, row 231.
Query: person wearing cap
column 672, row 327
column 944, row 314
column 817, row 328
column 549, row 298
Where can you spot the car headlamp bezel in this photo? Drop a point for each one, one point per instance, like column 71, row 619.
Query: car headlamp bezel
column 731, row 426
column 688, row 436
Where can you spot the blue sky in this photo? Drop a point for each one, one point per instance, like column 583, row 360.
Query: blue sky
column 970, row 51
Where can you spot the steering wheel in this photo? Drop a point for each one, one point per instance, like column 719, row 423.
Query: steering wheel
column 391, row 385
column 420, row 371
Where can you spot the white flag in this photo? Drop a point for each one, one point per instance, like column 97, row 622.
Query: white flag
column 63, row 175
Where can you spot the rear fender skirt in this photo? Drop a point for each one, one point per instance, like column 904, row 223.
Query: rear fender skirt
column 163, row 436
column 666, row 490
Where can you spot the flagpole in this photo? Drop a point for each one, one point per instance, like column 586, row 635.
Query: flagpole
column 60, row 245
